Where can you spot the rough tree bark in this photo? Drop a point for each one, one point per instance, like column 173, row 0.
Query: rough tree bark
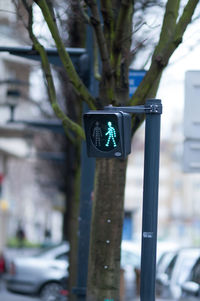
column 107, row 222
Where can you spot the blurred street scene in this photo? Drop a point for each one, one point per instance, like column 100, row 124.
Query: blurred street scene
column 178, row 270
column 37, row 165
column 6, row 296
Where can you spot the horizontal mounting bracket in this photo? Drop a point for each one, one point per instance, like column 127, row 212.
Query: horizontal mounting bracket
column 152, row 106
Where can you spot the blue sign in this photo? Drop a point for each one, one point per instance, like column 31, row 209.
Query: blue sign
column 127, row 233
column 135, row 78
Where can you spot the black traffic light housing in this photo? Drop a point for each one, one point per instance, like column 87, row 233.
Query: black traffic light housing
column 108, row 133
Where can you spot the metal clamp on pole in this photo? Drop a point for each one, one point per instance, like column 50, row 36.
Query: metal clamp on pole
column 153, row 106
column 131, row 109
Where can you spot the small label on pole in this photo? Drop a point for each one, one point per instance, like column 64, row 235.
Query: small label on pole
column 147, row 234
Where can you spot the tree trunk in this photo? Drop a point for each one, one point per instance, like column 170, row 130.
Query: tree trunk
column 104, row 261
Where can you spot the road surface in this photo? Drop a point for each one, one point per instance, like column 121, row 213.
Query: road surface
column 7, row 296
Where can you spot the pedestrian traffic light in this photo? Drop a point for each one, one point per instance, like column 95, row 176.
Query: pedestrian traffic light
column 108, row 134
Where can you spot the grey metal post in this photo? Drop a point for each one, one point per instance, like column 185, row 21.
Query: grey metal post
column 87, row 177
column 150, row 203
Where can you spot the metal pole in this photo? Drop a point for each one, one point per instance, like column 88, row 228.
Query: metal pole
column 87, row 177
column 150, row 203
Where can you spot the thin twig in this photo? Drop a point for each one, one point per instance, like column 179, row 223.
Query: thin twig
column 77, row 83
column 68, row 124
column 121, row 29
column 96, row 22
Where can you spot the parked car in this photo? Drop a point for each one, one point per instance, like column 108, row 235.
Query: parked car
column 41, row 274
column 191, row 287
column 177, row 273
column 164, row 270
column 162, row 248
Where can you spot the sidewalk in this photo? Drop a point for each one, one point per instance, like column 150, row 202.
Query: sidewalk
column 157, row 299
column 134, row 298
column 137, row 298
column 8, row 296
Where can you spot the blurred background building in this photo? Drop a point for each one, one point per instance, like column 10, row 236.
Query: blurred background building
column 179, row 192
column 29, row 199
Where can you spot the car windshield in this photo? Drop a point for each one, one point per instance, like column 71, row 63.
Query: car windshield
column 165, row 261
column 51, row 251
column 170, row 267
column 184, row 270
column 43, row 252
column 195, row 274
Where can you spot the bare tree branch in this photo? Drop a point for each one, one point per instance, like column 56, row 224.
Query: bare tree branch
column 164, row 51
column 38, row 105
column 185, row 19
column 68, row 124
column 169, row 23
column 109, row 22
column 83, row 13
column 125, row 12
column 64, row 56
column 96, row 61
column 96, row 22
column 7, row 11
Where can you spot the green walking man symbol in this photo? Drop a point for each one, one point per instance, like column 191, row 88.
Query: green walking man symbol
column 111, row 133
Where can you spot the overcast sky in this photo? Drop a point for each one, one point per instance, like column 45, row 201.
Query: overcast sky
column 171, row 90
